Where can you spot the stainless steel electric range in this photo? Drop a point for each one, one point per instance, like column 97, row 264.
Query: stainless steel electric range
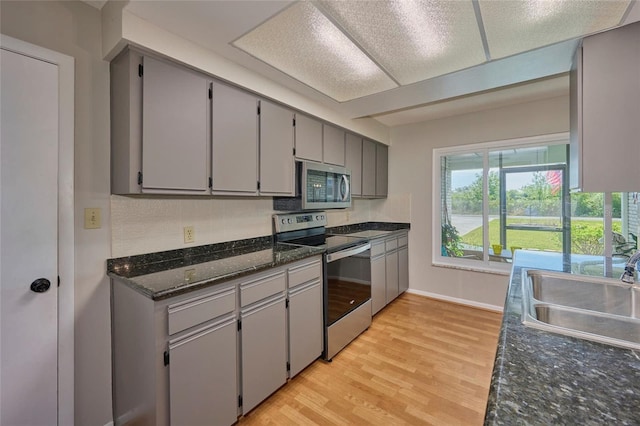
column 347, row 275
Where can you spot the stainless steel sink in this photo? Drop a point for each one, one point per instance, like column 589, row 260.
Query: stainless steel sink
column 593, row 308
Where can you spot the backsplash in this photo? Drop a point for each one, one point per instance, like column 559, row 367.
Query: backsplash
column 144, row 225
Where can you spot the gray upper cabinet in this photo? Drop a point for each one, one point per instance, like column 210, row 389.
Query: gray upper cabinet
column 605, row 122
column 333, row 145
column 382, row 167
column 234, row 137
column 308, row 138
column 277, row 174
column 368, row 168
column 353, row 162
column 159, row 127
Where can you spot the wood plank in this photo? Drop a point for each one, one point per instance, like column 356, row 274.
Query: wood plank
column 422, row 361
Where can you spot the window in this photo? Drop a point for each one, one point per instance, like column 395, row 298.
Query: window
column 493, row 198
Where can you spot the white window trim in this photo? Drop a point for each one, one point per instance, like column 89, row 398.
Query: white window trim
column 484, row 265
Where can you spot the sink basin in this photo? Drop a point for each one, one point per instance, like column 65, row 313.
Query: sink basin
column 593, row 308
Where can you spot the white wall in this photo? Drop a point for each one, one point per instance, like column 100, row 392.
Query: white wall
column 74, row 28
column 410, row 157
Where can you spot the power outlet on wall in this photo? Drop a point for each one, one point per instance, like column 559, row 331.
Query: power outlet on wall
column 189, row 234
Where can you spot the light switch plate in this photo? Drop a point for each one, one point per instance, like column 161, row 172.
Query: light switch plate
column 92, row 218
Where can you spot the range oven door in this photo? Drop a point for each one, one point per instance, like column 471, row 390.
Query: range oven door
column 348, row 279
column 324, row 186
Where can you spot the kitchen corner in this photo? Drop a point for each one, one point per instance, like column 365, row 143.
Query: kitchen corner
column 543, row 377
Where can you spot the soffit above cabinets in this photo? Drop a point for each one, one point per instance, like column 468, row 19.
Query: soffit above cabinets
column 369, row 58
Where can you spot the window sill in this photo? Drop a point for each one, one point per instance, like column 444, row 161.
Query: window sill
column 482, row 267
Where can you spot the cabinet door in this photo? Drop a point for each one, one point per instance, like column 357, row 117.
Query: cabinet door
column 378, row 284
column 308, row 138
column 392, row 275
column 234, row 135
column 403, row 269
column 264, row 354
column 353, row 162
column 305, row 326
column 382, row 160
column 203, row 376
column 333, row 145
column 276, row 150
column 175, row 142
column 368, row 168
column 610, row 104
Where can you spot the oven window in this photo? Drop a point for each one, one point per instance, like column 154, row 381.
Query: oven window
column 348, row 285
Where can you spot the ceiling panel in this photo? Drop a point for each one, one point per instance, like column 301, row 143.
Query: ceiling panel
column 514, row 27
column 412, row 40
column 303, row 43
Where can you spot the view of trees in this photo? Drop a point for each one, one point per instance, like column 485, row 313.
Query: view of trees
column 535, row 199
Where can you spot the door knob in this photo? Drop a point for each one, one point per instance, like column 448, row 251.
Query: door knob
column 40, row 285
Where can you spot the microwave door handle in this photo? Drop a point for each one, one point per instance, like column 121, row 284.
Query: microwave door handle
column 344, row 182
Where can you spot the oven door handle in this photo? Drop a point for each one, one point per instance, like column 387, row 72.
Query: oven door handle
column 346, row 253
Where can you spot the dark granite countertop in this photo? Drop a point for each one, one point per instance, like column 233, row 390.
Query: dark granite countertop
column 169, row 273
column 546, row 378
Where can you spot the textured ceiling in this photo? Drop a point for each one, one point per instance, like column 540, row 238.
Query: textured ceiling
column 397, row 61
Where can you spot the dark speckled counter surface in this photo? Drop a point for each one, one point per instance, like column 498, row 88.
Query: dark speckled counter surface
column 169, row 273
column 543, row 378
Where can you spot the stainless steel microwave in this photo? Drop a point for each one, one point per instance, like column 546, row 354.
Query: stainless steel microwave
column 318, row 186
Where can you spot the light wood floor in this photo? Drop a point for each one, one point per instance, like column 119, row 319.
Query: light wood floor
column 422, row 362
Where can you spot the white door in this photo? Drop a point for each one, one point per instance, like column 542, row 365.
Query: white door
column 29, row 240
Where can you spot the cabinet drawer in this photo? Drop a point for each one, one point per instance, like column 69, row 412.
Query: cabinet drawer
column 259, row 288
column 304, row 273
column 377, row 248
column 403, row 241
column 391, row 244
column 194, row 311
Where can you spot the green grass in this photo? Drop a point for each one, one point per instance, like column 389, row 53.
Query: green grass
column 525, row 239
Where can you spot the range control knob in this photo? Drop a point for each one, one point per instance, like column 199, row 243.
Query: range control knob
column 283, row 221
column 290, row 220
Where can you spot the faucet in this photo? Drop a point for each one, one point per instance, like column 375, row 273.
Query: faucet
column 630, row 268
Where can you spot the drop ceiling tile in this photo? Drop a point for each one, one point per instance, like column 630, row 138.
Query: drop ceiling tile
column 301, row 42
column 518, row 26
column 413, row 40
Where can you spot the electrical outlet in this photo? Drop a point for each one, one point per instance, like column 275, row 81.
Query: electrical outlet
column 189, row 235
column 190, row 275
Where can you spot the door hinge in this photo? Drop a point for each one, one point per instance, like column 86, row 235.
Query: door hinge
column 210, row 93
column 258, row 109
column 294, row 152
column 258, row 185
column 288, row 366
column 139, row 178
column 239, row 325
column 294, row 122
column 210, row 182
column 286, row 303
column 239, row 400
column 140, row 70
column 166, row 358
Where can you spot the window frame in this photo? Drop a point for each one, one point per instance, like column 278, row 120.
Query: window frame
column 484, row 265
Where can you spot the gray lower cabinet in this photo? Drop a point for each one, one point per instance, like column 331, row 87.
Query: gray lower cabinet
column 203, row 375
column 305, row 315
column 391, row 263
column 264, row 355
column 234, row 141
column 378, row 277
column 389, row 269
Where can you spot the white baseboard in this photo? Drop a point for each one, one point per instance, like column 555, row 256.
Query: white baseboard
column 457, row 300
